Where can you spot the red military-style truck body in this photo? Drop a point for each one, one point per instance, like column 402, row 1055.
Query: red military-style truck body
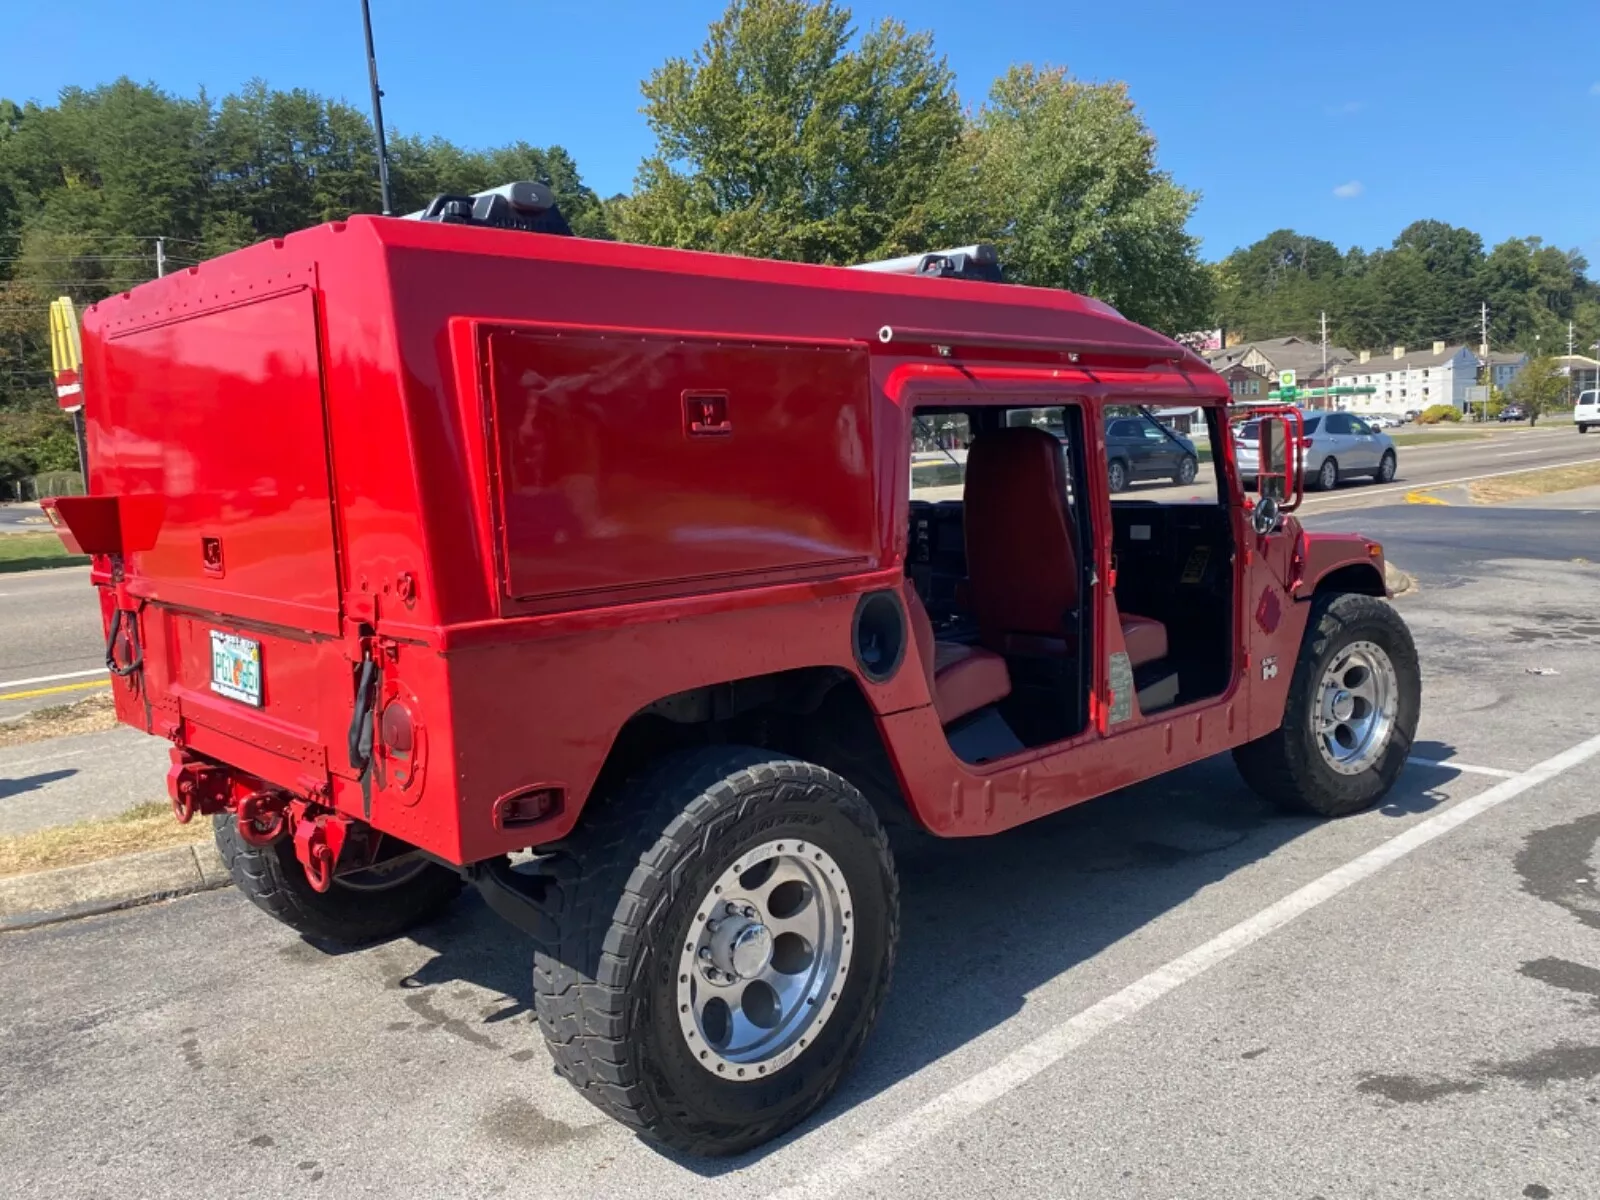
column 428, row 543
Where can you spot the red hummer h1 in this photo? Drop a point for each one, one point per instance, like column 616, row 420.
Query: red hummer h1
column 430, row 543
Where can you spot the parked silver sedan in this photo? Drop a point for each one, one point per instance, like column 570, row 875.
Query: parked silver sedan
column 1339, row 446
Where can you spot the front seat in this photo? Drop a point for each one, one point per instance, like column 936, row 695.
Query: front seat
column 962, row 678
column 1022, row 555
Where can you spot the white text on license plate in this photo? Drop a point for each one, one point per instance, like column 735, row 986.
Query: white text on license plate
column 236, row 667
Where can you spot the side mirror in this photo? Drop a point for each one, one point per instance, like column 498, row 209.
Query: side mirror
column 1280, row 459
column 1266, row 515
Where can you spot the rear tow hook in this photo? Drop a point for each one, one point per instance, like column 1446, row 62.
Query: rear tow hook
column 318, row 841
column 262, row 817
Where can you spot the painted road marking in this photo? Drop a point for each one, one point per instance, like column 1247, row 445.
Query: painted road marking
column 53, row 691
column 892, row 1142
column 1355, row 497
column 1451, row 765
column 28, row 762
column 11, row 683
column 1423, row 498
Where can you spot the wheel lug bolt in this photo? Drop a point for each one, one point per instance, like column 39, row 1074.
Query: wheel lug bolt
column 749, row 910
column 705, row 953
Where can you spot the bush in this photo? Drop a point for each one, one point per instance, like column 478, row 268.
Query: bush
column 1435, row 413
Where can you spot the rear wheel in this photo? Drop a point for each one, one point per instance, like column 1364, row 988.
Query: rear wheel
column 1328, row 475
column 382, row 901
column 1117, row 475
column 1350, row 715
column 1187, row 470
column 721, row 939
column 1583, row 429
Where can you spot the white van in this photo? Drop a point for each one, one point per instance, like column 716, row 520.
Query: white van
column 1587, row 411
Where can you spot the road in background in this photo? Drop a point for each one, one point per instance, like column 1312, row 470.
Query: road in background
column 1429, row 1031
column 49, row 628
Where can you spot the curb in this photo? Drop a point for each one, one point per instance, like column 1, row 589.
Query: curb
column 1399, row 583
column 64, row 894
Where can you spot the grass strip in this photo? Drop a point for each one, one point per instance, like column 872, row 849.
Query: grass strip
column 146, row 827
column 90, row 715
column 1534, row 483
column 31, row 551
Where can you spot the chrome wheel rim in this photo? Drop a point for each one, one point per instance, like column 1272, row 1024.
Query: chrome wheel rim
column 1330, row 474
column 1353, row 712
column 764, row 960
column 1117, row 477
column 1187, row 471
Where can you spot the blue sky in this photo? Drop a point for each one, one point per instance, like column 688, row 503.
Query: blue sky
column 1346, row 121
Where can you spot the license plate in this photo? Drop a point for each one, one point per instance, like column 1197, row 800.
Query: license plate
column 236, row 667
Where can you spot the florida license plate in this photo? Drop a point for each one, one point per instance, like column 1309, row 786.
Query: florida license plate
column 236, row 667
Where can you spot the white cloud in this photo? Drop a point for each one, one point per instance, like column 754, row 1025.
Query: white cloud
column 1348, row 191
column 1348, row 108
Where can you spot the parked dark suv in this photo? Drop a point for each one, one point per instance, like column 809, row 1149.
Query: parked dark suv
column 1139, row 448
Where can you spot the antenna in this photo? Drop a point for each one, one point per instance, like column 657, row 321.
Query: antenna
column 377, row 110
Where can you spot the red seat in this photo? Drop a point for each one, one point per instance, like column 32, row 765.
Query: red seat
column 962, row 679
column 1022, row 551
column 1145, row 639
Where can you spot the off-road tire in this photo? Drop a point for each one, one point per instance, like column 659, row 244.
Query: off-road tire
column 620, row 894
column 1326, row 481
column 1116, row 482
column 1286, row 766
column 1187, row 470
column 272, row 879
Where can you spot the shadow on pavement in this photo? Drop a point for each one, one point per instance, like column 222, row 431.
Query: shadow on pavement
column 32, row 783
column 986, row 921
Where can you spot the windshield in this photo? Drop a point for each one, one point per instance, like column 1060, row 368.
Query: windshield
column 1251, row 432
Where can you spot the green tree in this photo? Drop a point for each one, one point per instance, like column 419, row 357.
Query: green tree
column 781, row 139
column 1061, row 175
column 1539, row 387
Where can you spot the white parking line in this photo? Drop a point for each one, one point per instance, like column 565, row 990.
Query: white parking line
column 1452, row 765
column 1355, row 496
column 892, row 1142
column 11, row 683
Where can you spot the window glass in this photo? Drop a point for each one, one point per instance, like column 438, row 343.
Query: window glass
column 939, row 443
column 1312, row 425
column 1338, row 423
column 1166, row 461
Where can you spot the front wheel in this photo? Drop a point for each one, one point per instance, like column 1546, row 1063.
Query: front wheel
column 721, row 937
column 1386, row 467
column 1350, row 715
column 1328, row 475
column 382, row 901
column 1116, row 475
column 1187, row 470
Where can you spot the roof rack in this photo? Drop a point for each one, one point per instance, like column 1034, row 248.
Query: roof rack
column 524, row 204
column 978, row 261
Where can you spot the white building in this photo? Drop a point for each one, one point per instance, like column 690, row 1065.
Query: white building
column 1414, row 379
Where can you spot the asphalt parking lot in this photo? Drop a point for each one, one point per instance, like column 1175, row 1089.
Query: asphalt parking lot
column 1173, row 991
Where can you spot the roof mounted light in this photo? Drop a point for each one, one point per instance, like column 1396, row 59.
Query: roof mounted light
column 978, row 261
column 523, row 204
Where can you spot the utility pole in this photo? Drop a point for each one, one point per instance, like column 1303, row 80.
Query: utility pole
column 161, row 257
column 1488, row 365
column 377, row 111
column 1569, row 364
column 1325, row 381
